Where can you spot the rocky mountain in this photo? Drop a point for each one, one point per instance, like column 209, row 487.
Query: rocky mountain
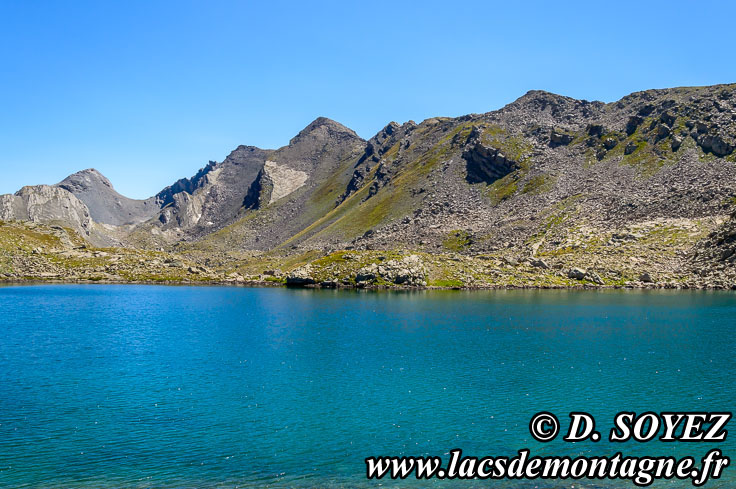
column 276, row 183
column 645, row 179
column 105, row 205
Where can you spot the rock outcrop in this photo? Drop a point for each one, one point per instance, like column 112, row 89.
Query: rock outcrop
column 486, row 163
column 714, row 258
column 49, row 205
column 409, row 271
column 214, row 196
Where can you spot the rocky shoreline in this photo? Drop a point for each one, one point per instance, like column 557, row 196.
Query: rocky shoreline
column 665, row 255
column 265, row 284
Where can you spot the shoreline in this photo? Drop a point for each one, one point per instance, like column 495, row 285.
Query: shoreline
column 30, row 254
column 272, row 284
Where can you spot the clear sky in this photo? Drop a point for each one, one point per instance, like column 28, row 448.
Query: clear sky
column 147, row 91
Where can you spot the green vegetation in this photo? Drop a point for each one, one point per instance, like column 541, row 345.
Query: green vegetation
column 362, row 212
column 503, row 188
column 568, row 243
column 645, row 159
column 457, row 240
column 447, row 283
column 650, row 157
column 539, row 184
column 514, row 147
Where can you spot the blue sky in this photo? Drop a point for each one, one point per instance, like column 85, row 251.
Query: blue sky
column 147, row 92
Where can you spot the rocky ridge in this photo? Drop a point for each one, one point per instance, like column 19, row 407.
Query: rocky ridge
column 548, row 190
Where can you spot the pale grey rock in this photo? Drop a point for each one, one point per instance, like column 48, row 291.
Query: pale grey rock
column 301, row 276
column 595, row 278
column 48, row 205
column 105, row 204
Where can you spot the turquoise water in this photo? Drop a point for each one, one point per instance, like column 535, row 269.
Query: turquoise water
column 142, row 386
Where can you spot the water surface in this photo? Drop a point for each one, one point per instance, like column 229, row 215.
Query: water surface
column 143, row 386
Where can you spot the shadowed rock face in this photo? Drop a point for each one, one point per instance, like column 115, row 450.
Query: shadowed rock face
column 273, row 183
column 188, row 185
column 214, row 195
column 105, row 205
column 486, row 163
column 251, row 178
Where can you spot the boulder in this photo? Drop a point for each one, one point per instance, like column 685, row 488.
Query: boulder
column 610, row 142
column 577, row 273
column 715, row 144
column 633, row 123
column 300, row 277
column 595, row 278
column 367, row 274
column 558, row 138
column 409, row 270
column 676, row 142
column 662, row 131
column 595, row 130
column 668, row 118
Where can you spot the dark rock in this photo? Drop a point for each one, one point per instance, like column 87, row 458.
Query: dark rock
column 486, row 163
column 300, row 277
column 715, row 144
column 633, row 123
column 577, row 273
column 661, row 131
column 594, row 130
column 676, row 142
column 646, row 278
column 668, row 118
column 610, row 142
column 646, row 110
column 558, row 138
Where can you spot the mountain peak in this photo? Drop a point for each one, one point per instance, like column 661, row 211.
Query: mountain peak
column 536, row 97
column 324, row 128
column 326, row 121
column 85, row 179
column 546, row 108
column 105, row 204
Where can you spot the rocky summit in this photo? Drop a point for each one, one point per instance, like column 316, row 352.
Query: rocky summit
column 548, row 191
